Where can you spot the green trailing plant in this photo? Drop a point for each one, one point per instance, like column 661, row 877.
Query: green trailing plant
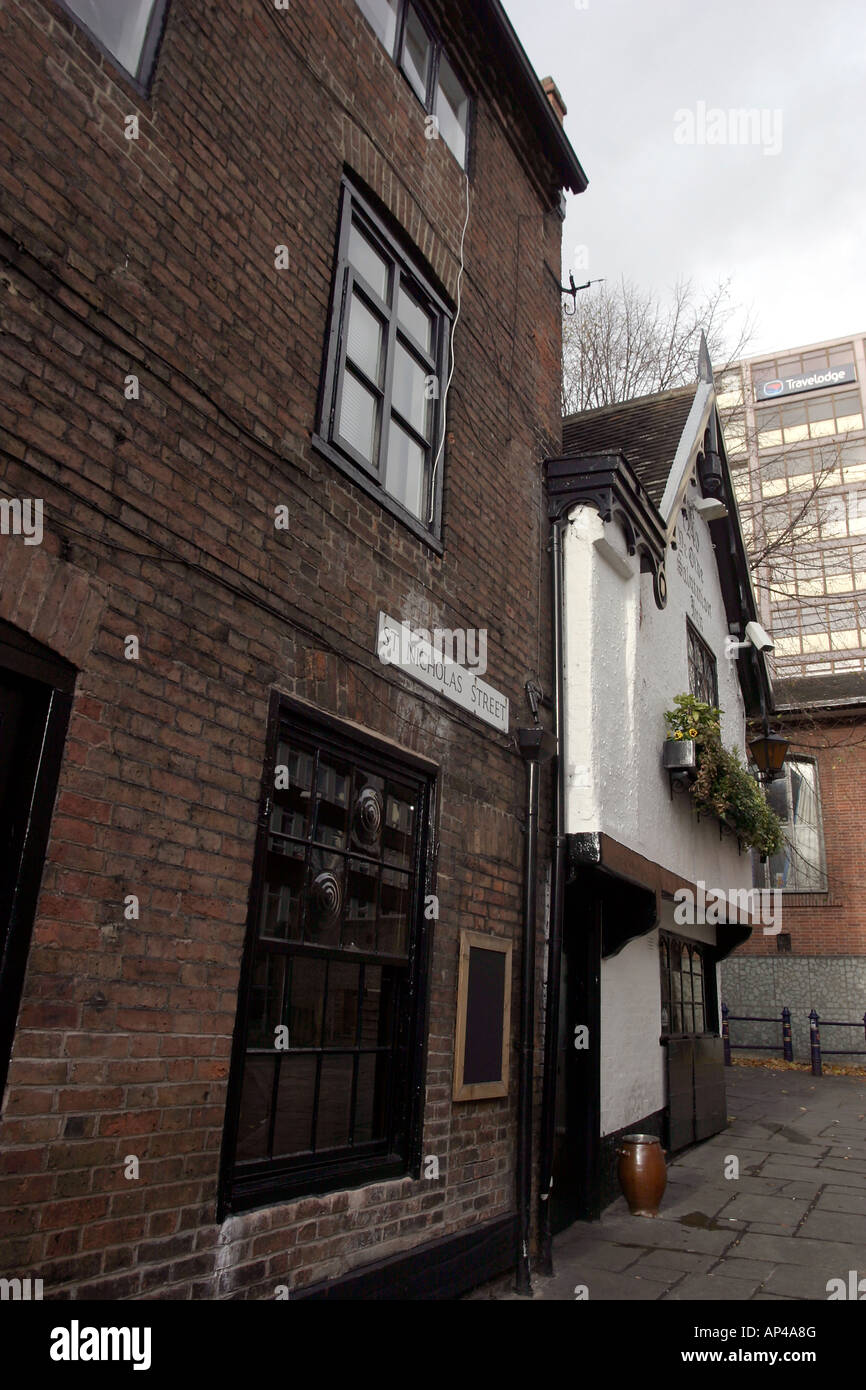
column 723, row 786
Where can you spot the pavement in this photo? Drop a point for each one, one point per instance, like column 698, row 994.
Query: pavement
column 793, row 1219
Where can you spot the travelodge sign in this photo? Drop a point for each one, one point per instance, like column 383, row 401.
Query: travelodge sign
column 811, row 381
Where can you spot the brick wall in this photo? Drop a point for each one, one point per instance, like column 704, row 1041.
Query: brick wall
column 833, row 924
column 156, row 257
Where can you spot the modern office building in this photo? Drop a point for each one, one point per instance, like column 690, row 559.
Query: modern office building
column 794, row 424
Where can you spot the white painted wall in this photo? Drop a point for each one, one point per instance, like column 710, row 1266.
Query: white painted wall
column 624, row 661
column 632, row 1061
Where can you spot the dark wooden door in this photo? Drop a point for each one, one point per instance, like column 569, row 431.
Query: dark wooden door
column 578, row 1100
column 695, row 1076
column 711, row 1111
column 680, row 1093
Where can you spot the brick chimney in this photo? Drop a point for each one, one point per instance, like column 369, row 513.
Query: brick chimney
column 554, row 96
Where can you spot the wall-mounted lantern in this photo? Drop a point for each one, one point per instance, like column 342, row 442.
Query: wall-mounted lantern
column 769, row 752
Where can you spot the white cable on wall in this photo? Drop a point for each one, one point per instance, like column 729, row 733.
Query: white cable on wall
column 451, row 372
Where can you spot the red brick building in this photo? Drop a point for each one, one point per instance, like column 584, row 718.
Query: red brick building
column 236, row 246
column 818, row 959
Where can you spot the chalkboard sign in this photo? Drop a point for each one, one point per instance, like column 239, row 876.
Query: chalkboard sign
column 483, row 1017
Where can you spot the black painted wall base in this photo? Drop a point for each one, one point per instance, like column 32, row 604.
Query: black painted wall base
column 608, row 1182
column 440, row 1270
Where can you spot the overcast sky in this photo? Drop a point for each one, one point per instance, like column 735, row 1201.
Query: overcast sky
column 788, row 228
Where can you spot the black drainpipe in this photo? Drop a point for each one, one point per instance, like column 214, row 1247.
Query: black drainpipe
column 536, row 745
column 554, row 944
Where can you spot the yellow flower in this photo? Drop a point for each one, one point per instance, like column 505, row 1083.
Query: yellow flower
column 678, row 734
column 693, row 733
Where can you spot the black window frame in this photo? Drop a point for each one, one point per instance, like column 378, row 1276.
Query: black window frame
column 695, row 641
column 264, row 1182
column 142, row 79
column 356, row 208
column 439, row 48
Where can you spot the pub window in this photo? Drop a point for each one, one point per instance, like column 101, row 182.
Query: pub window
column 703, row 677
column 127, row 30
column 410, row 39
column 382, row 400
column 326, row 1072
column 687, row 987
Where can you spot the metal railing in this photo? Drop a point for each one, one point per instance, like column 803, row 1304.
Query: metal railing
column 787, row 1047
column 815, row 1040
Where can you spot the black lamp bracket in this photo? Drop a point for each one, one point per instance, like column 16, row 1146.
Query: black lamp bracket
column 573, row 290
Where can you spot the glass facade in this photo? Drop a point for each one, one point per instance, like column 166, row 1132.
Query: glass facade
column 799, row 466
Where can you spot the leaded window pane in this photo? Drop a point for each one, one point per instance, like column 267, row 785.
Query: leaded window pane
column 703, row 676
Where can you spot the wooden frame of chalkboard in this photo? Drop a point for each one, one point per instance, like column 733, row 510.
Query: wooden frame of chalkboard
column 483, row 1017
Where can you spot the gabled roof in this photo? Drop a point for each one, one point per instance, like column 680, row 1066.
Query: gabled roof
column 663, row 442
column 647, row 430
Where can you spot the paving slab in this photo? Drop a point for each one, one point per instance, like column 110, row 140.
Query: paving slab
column 841, row 1227
column 841, row 1177
column 792, row 1250
column 599, row 1255
column 743, row 1268
column 807, row 1190
column 713, row 1287
column 794, row 1172
column 784, row 1213
column 673, row 1262
column 842, row 1200
column 846, row 1164
column 794, row 1281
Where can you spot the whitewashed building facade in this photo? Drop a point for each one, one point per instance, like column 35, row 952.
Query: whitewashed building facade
column 653, row 580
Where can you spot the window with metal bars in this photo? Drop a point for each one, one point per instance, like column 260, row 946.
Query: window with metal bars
column 703, row 676
column 385, row 370
column 329, row 1042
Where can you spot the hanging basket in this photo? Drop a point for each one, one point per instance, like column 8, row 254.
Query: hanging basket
column 679, row 755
